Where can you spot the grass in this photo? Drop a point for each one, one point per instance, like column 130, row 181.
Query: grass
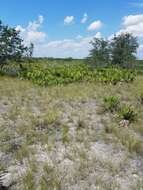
column 57, row 125
column 127, row 137
column 29, row 181
column 50, row 179
column 111, row 103
column 128, row 113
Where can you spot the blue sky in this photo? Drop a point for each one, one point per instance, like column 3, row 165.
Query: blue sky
column 63, row 28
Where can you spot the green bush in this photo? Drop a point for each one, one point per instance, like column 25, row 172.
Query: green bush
column 128, row 113
column 65, row 74
column 111, row 103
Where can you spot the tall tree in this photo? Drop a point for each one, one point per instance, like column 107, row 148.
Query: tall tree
column 11, row 45
column 124, row 48
column 31, row 48
column 100, row 53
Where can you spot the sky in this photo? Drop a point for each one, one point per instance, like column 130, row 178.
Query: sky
column 64, row 28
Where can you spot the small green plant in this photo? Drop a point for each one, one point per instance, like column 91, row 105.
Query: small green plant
column 128, row 113
column 50, row 117
column 111, row 103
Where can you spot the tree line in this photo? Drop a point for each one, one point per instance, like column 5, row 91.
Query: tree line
column 120, row 51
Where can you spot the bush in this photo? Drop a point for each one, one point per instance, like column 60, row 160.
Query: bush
column 65, row 74
column 111, row 103
column 128, row 113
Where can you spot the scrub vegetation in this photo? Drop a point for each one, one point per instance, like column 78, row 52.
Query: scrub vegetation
column 69, row 124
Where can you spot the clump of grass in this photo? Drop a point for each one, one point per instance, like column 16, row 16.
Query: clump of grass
column 29, row 181
column 128, row 113
column 50, row 117
column 22, row 153
column 127, row 138
column 50, row 180
column 32, row 137
column 111, row 103
column 65, row 137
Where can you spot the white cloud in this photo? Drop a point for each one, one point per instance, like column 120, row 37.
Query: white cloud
column 35, row 36
column 140, row 52
column 98, row 35
column 31, row 33
column 95, row 25
column 76, row 48
column 79, row 46
column 132, row 20
column 84, row 19
column 20, row 28
column 69, row 20
column 132, row 24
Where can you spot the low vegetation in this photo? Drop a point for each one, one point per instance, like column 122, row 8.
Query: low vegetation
column 111, row 103
column 128, row 113
column 79, row 127
column 77, row 73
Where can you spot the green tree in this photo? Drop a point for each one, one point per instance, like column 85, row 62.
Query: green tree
column 100, row 53
column 124, row 48
column 31, row 48
column 11, row 45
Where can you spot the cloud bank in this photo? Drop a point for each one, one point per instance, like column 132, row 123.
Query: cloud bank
column 79, row 46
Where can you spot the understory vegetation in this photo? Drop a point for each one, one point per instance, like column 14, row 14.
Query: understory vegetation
column 77, row 73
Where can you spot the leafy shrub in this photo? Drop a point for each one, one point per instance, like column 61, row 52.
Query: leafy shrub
column 64, row 74
column 111, row 103
column 128, row 113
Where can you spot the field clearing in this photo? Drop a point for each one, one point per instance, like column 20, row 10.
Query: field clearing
column 63, row 138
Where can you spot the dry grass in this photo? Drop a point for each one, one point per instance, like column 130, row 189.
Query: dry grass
column 60, row 138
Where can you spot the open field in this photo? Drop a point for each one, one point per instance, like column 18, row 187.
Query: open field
column 71, row 95
column 71, row 137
